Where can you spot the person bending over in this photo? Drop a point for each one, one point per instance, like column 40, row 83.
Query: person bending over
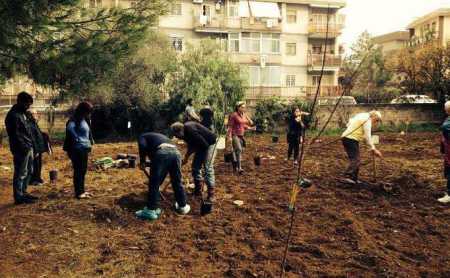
column 200, row 142
column 359, row 128
column 165, row 159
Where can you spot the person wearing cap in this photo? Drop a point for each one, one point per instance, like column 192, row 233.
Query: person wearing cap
column 165, row 159
column 445, row 150
column 21, row 140
column 238, row 123
column 359, row 128
column 200, row 142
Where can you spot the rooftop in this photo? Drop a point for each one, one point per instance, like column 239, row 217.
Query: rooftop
column 425, row 18
column 394, row 36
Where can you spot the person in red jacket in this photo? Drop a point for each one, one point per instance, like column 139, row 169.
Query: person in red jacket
column 238, row 123
column 445, row 149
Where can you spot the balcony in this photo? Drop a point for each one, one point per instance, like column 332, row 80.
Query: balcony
column 253, row 24
column 255, row 58
column 325, row 91
column 221, row 24
column 332, row 62
column 318, row 26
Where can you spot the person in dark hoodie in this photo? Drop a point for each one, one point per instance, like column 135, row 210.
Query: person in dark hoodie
column 21, row 146
column 296, row 128
column 200, row 142
column 445, row 149
column 40, row 146
column 78, row 144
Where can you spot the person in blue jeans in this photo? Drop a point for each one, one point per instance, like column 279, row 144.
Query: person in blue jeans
column 21, row 146
column 78, row 144
column 201, row 142
column 165, row 159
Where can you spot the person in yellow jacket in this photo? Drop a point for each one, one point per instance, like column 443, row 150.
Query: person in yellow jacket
column 359, row 128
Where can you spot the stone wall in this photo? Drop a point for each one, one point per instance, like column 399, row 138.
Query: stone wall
column 393, row 114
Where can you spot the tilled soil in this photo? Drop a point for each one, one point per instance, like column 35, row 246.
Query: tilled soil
column 339, row 230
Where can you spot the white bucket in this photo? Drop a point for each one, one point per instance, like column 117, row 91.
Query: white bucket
column 221, row 143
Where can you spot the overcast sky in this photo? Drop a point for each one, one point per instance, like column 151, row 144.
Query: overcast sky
column 384, row 16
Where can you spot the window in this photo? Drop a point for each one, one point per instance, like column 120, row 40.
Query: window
column 95, row 3
column 290, row 80
column 315, row 80
column 271, row 43
column 233, row 39
column 271, row 76
column 175, row 9
column 291, row 49
column 291, row 16
column 233, row 9
column 268, row 76
column 251, row 42
column 177, row 43
column 254, row 79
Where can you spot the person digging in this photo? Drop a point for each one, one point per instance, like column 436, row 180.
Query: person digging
column 359, row 128
column 200, row 142
column 165, row 159
column 445, row 150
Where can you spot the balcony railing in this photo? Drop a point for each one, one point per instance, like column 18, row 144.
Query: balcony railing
column 222, row 23
column 324, row 91
column 331, row 60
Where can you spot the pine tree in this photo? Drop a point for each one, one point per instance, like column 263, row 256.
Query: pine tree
column 63, row 44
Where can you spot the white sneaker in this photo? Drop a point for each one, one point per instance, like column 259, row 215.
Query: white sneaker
column 445, row 199
column 184, row 210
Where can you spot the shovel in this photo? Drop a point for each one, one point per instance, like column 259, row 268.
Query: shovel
column 160, row 193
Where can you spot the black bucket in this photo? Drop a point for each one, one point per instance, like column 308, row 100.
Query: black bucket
column 132, row 163
column 257, row 160
column 228, row 157
column 53, row 176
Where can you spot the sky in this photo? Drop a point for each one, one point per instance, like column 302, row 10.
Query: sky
column 383, row 16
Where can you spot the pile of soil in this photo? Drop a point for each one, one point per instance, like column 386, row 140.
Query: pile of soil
column 340, row 230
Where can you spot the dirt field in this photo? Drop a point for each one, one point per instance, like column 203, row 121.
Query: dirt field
column 360, row 231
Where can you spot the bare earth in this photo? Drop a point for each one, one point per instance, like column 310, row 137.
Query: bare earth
column 360, row 231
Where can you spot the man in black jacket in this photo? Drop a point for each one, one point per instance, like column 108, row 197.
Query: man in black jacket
column 201, row 141
column 21, row 145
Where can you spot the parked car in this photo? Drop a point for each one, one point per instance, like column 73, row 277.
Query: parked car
column 346, row 100
column 417, row 99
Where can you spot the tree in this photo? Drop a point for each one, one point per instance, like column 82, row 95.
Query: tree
column 136, row 91
column 206, row 75
column 366, row 65
column 62, row 44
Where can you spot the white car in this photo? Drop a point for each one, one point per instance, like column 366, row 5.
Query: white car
column 346, row 100
column 416, row 99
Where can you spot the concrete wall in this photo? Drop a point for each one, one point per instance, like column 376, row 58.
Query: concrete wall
column 393, row 114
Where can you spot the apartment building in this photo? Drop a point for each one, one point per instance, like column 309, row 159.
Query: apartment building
column 279, row 45
column 392, row 42
column 431, row 28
